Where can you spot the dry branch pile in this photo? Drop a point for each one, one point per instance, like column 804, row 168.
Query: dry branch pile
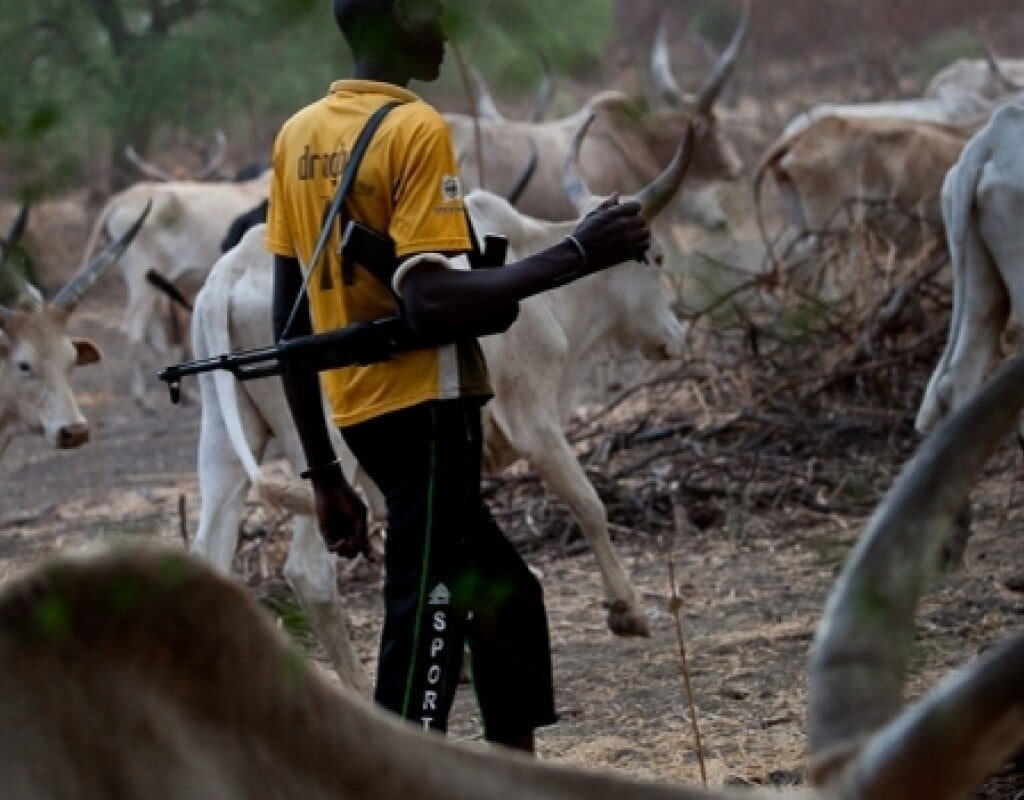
column 798, row 397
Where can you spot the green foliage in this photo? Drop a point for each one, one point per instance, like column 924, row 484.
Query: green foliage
column 505, row 37
column 83, row 78
column 942, row 50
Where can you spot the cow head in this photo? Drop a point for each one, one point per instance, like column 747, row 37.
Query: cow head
column 644, row 319
column 37, row 356
column 36, row 359
column 714, row 156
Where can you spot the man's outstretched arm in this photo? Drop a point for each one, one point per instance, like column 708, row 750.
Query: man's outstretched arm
column 438, row 300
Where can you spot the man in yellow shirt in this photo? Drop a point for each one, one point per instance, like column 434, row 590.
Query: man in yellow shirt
column 414, row 422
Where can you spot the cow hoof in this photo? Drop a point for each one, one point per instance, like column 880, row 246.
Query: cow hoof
column 624, row 620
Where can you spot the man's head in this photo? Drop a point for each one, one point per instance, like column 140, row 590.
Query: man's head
column 407, row 35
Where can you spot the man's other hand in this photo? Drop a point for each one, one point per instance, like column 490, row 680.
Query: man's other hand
column 612, row 233
column 340, row 514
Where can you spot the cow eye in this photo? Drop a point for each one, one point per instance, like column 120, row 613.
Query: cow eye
column 24, row 368
column 659, row 260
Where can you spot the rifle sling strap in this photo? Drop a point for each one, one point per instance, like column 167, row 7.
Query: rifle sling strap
column 344, row 186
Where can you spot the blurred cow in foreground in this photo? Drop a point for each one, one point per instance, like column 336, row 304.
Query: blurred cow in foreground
column 181, row 242
column 37, row 356
column 983, row 204
column 625, row 150
column 533, row 366
column 145, row 674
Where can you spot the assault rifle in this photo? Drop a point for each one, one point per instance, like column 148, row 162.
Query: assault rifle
column 358, row 344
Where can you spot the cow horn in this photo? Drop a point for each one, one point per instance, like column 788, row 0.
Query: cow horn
column 661, row 68
column 572, row 180
column 523, row 181
column 75, row 289
column 27, row 294
column 478, row 141
column 545, row 93
column 863, row 643
column 17, row 230
column 147, row 168
column 726, row 66
column 658, row 193
column 997, row 69
column 217, row 155
column 484, row 103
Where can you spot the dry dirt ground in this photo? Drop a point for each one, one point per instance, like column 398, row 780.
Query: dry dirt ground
column 751, row 593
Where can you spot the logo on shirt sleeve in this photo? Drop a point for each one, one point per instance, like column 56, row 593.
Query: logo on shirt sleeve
column 451, row 189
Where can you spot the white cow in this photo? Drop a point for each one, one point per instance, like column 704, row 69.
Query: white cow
column 531, row 366
column 963, row 91
column 983, row 209
column 181, row 242
column 147, row 675
column 37, row 356
column 626, row 149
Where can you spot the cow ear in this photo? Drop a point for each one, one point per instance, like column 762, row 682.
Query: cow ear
column 88, row 353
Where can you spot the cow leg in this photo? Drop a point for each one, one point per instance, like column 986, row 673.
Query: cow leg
column 310, row 571
column 1002, row 204
column 985, row 309
column 223, row 482
column 546, row 448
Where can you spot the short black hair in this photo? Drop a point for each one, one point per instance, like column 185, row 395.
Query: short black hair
column 349, row 13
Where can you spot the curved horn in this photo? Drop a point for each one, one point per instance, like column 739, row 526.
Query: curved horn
column 659, row 192
column 725, row 67
column 486, row 108
column 545, row 93
column 145, row 167
column 661, row 67
column 997, row 70
column 478, row 140
column 27, row 294
column 219, row 151
column 523, row 181
column 75, row 289
column 572, row 180
column 17, row 230
column 863, row 643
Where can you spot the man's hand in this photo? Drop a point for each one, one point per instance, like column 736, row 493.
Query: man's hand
column 612, row 233
column 340, row 514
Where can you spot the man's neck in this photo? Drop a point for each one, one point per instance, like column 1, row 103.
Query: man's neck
column 371, row 70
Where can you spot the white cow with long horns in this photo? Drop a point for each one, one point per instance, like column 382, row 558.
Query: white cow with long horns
column 37, row 355
column 532, row 366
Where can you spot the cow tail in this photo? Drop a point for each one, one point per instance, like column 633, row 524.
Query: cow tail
column 211, row 321
column 98, row 228
column 959, row 191
column 772, row 158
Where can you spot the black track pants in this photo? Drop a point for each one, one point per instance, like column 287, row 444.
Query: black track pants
column 451, row 577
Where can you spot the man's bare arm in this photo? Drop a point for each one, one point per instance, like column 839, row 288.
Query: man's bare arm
column 340, row 513
column 439, row 299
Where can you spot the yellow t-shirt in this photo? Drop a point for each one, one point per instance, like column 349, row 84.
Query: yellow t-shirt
column 407, row 187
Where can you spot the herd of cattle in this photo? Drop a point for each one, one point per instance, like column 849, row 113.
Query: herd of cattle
column 950, row 156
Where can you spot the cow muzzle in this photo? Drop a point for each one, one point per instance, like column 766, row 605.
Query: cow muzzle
column 72, row 436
